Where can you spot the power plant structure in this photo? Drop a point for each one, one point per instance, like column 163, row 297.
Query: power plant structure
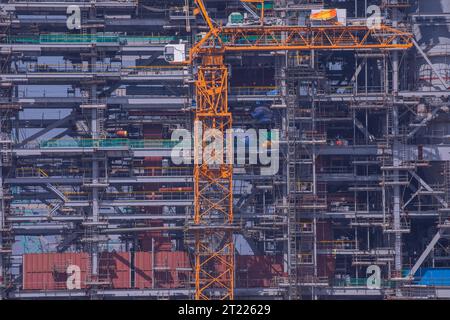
column 225, row 149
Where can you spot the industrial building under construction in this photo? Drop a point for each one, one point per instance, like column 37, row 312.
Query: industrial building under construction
column 341, row 107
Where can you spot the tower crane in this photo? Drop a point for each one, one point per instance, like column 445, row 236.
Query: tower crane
column 213, row 224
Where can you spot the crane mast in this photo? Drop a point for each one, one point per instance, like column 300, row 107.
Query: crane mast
column 213, row 222
column 213, row 184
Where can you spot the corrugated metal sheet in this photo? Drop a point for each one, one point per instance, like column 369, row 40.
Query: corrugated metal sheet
column 48, row 271
column 116, row 269
column 142, row 270
column 171, row 270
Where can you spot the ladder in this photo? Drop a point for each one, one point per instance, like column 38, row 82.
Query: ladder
column 6, row 155
column 292, row 196
column 84, row 19
column 101, row 123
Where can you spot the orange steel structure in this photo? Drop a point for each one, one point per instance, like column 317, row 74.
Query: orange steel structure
column 213, row 185
column 300, row 38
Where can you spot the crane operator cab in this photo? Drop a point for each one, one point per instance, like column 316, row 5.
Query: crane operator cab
column 174, row 53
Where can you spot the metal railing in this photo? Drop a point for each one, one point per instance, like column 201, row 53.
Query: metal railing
column 108, row 143
column 31, row 172
column 164, row 172
column 90, row 38
column 255, row 91
column 134, row 196
column 81, row 1
column 359, row 282
column 337, row 244
column 68, row 68
column 100, row 67
column 336, row 170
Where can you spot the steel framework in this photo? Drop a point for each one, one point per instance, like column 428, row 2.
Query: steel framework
column 214, row 263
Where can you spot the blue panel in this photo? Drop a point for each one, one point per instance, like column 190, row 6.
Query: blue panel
column 432, row 276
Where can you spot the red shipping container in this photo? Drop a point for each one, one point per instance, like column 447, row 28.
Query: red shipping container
column 171, row 270
column 115, row 268
column 50, row 271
